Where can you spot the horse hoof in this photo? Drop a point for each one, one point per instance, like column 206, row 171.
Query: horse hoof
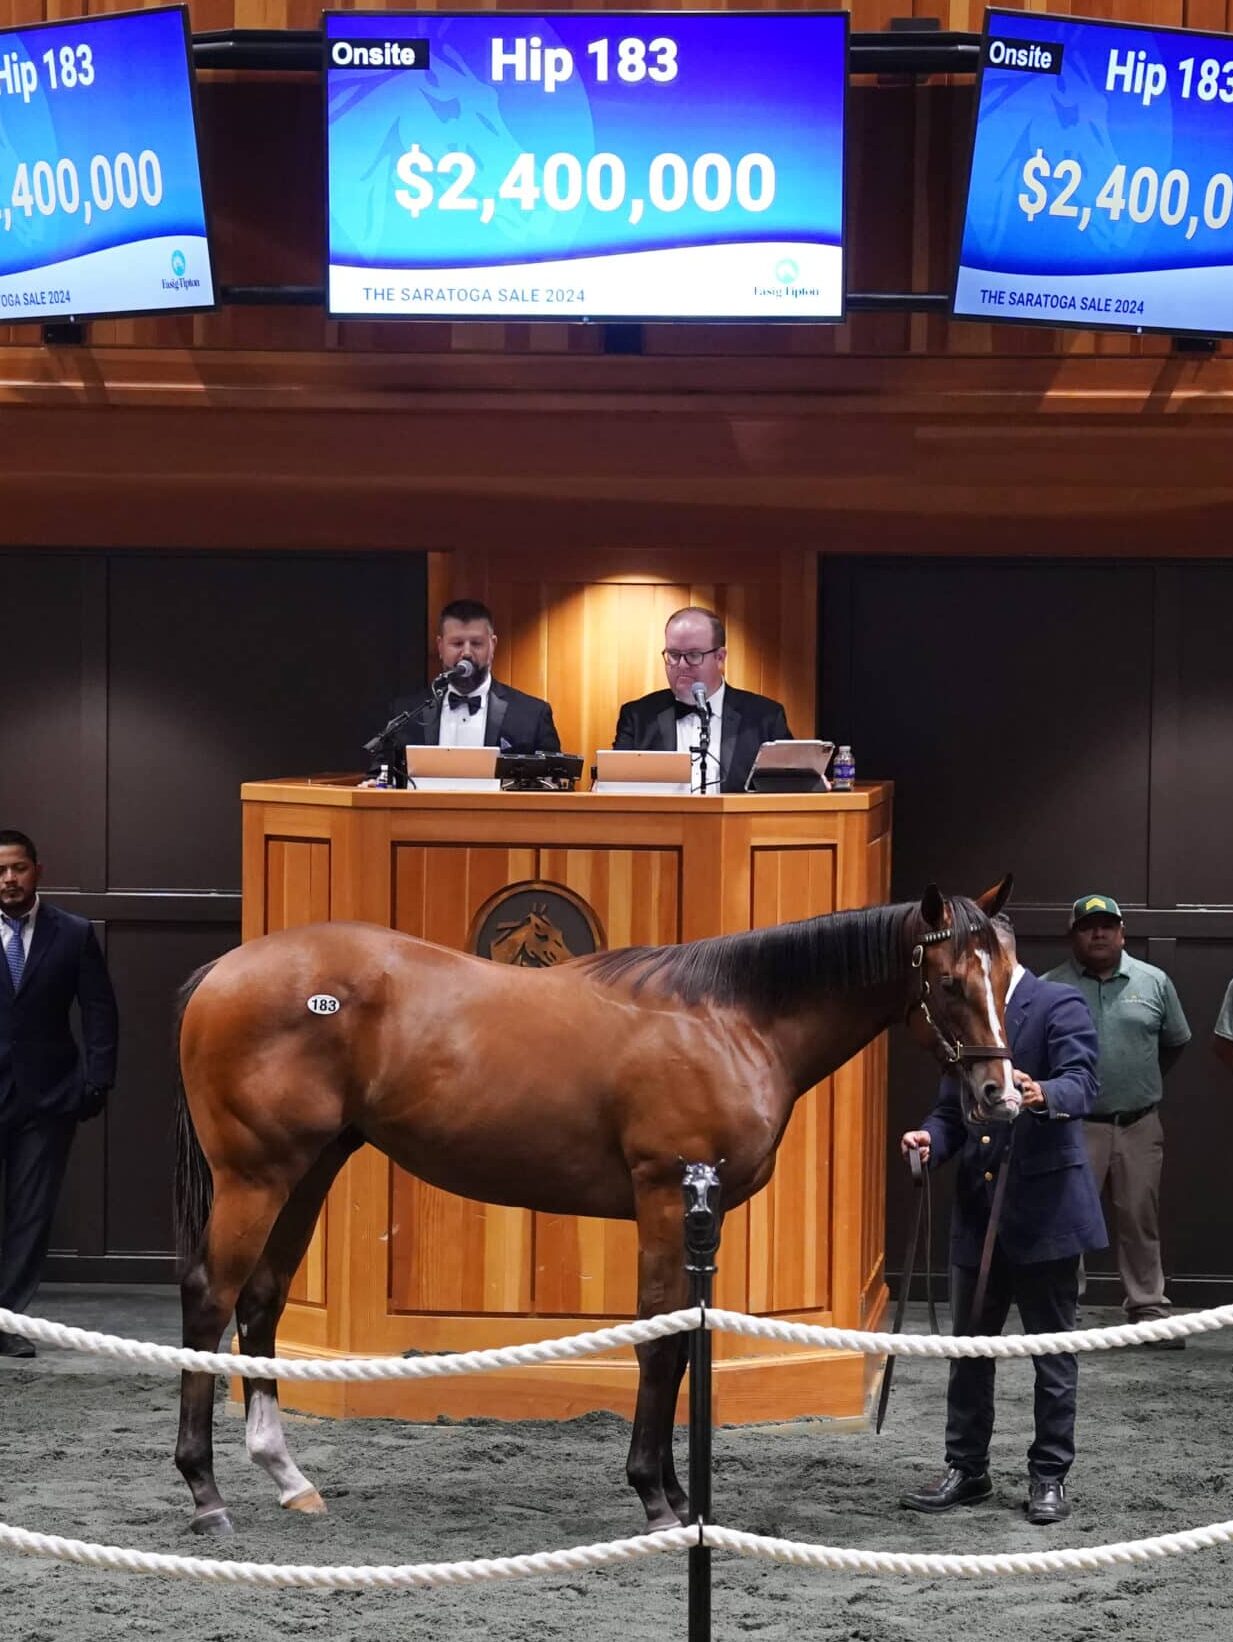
column 656, row 1525
column 310, row 1502
column 215, row 1521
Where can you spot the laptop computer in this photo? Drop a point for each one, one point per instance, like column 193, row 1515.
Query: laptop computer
column 648, row 773
column 452, row 769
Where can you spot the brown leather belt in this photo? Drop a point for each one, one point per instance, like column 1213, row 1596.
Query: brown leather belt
column 1121, row 1120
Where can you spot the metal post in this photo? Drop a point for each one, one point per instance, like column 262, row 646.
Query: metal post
column 701, row 1190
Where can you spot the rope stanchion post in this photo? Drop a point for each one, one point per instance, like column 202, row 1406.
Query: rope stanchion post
column 701, row 1189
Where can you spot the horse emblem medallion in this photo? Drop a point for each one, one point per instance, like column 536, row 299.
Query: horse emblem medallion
column 535, row 925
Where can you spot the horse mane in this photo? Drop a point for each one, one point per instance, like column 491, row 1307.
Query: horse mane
column 787, row 964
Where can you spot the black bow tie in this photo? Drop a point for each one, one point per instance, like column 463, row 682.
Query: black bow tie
column 471, row 703
column 684, row 709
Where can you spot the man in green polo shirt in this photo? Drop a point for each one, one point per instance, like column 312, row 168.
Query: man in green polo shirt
column 1142, row 1031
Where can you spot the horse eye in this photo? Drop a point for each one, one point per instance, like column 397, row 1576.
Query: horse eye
column 951, row 984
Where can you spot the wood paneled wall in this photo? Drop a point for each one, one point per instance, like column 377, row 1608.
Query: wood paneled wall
column 583, row 625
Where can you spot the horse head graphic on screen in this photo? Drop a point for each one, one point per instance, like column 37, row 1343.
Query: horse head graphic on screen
column 576, row 1088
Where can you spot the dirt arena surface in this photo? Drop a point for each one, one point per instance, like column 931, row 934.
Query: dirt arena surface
column 86, row 1453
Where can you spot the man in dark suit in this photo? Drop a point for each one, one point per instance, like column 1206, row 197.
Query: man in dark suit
column 669, row 720
column 476, row 711
column 1050, row 1215
column 50, row 958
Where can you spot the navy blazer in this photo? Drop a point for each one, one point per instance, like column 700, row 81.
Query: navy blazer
column 649, row 725
column 41, row 1073
column 517, row 723
column 1051, row 1209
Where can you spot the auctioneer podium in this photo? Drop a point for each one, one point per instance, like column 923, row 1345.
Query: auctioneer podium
column 397, row 1265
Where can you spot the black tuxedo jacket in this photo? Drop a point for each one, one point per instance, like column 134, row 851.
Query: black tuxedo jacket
column 649, row 725
column 517, row 723
column 41, row 1072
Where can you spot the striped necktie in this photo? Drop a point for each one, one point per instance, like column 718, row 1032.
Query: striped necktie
column 15, row 951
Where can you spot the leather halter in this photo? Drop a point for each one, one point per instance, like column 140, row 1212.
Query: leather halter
column 951, row 1051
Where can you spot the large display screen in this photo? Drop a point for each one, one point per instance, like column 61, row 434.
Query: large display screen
column 1101, row 185
column 101, row 208
column 612, row 165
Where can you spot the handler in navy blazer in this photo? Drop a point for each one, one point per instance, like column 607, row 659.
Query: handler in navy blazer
column 45, row 1089
column 1050, row 1215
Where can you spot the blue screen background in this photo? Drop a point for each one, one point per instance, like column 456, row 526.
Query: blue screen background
column 141, row 98
column 773, row 84
column 1072, row 116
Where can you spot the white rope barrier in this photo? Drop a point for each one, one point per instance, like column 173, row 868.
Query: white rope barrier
column 580, row 1558
column 1086, row 1559
column 177, row 1358
column 345, row 1578
column 972, row 1345
column 926, row 1565
column 572, row 1346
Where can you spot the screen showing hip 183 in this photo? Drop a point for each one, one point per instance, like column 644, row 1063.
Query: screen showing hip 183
column 573, row 166
column 1101, row 184
column 101, row 209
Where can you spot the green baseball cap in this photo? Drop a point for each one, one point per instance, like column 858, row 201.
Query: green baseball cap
column 1090, row 906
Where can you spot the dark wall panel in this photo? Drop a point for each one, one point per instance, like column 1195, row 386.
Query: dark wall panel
column 117, row 1198
column 41, row 724
column 226, row 669
column 1011, row 706
column 1204, row 774
column 1067, row 720
column 151, row 686
column 1197, row 1202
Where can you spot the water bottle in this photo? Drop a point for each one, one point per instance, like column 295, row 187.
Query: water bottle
column 383, row 776
column 843, row 771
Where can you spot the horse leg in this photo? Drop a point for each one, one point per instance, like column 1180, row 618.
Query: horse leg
column 258, row 1309
column 661, row 1287
column 235, row 1234
column 676, row 1496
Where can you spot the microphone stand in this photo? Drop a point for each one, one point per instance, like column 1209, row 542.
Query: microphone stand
column 387, row 742
column 704, row 745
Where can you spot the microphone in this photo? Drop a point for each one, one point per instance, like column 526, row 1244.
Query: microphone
column 459, row 673
column 698, row 692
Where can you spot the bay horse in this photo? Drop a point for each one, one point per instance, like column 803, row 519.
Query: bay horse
column 580, row 1089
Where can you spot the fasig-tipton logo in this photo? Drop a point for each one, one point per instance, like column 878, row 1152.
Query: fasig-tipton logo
column 180, row 279
column 379, row 53
column 1025, row 56
column 787, row 273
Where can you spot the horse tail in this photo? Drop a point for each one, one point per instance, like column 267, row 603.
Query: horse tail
column 193, row 1190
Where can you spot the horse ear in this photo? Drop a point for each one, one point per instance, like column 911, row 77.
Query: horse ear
column 993, row 900
column 933, row 907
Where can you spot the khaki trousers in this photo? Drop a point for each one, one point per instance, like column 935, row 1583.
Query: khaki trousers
column 1126, row 1161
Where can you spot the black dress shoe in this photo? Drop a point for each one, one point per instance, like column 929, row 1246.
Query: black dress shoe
column 955, row 1488
column 1047, row 1501
column 16, row 1345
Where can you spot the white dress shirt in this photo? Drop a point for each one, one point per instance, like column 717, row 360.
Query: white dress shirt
column 687, row 728
column 459, row 726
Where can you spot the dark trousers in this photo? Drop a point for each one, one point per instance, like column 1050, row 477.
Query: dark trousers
column 1046, row 1294
column 33, row 1157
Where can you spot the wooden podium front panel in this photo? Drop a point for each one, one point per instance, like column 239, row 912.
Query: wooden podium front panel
column 396, row 1264
column 789, row 1262
column 449, row 1254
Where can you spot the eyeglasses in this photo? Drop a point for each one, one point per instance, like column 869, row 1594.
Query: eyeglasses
column 693, row 658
